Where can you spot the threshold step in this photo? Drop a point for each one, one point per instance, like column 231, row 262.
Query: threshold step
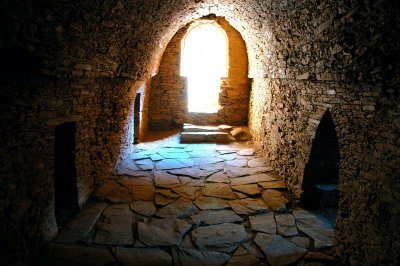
column 195, row 128
column 200, row 137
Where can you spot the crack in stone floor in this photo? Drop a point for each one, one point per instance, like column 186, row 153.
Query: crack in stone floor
column 192, row 204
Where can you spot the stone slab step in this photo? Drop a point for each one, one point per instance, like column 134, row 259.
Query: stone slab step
column 200, row 137
column 195, row 128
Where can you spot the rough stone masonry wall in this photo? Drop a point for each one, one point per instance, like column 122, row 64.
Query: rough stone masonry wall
column 168, row 94
column 337, row 55
column 83, row 61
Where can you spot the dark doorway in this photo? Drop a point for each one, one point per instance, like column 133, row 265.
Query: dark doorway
column 65, row 185
column 136, row 118
column 322, row 171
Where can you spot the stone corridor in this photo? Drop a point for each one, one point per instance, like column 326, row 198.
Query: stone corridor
column 192, row 204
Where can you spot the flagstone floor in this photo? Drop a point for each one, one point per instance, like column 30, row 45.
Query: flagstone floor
column 192, row 204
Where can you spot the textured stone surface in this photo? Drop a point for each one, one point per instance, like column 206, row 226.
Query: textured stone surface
column 273, row 184
column 218, row 190
column 146, row 208
column 277, row 250
column 163, row 179
column 257, row 162
column 65, row 64
column 237, row 163
column 274, row 199
column 251, row 179
column 188, row 192
column 211, row 217
column 80, row 255
column 174, row 164
column 300, row 241
column 263, row 223
column 162, row 232
column 286, row 224
column 142, row 192
column 82, row 224
column 248, row 206
column 246, row 152
column 241, row 171
column 210, row 203
column 142, row 256
column 219, row 177
column 192, row 172
column 321, row 231
column 135, row 181
column 183, row 257
column 247, row 189
column 177, row 209
column 243, row 260
column 115, row 227
column 219, row 236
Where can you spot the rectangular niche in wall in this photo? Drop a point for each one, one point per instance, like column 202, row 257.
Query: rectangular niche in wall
column 136, row 118
column 65, row 184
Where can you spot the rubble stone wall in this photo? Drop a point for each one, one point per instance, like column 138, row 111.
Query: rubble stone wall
column 84, row 62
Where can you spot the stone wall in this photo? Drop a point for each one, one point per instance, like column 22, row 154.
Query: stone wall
column 336, row 56
column 168, row 95
column 85, row 61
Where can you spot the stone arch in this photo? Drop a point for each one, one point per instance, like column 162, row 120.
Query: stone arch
column 321, row 173
column 168, row 93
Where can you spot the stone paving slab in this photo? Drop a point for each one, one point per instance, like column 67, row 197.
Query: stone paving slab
column 193, row 172
column 142, row 256
column 162, row 232
column 145, row 208
column 177, row 209
column 222, row 205
column 82, row 224
column 128, row 181
column 273, row 184
column 211, row 217
column 189, row 192
column 174, row 164
column 277, row 250
column 219, row 177
column 245, row 171
column 164, row 179
column 219, row 190
column 184, row 257
column 248, row 206
column 320, row 230
column 221, row 235
column 142, row 192
column 174, row 155
column 115, row 226
column 252, row 179
column 274, row 200
column 80, row 255
column 251, row 189
column 145, row 164
column 210, row 203
column 257, row 162
column 237, row 163
column 263, row 223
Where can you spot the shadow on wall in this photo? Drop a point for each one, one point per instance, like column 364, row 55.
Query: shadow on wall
column 320, row 182
column 65, row 180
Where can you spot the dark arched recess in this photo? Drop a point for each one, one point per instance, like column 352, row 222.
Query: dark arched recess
column 322, row 171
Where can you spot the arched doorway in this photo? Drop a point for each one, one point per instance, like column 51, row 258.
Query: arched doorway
column 204, row 62
column 169, row 93
column 322, row 171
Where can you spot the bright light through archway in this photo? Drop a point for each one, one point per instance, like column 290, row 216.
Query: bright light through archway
column 204, row 62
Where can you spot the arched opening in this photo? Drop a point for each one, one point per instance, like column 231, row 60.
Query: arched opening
column 322, row 171
column 204, row 62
